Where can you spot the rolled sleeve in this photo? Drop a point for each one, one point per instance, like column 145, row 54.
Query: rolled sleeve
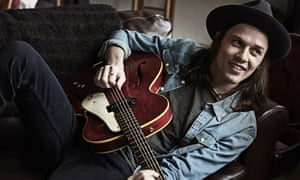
column 132, row 41
column 114, row 42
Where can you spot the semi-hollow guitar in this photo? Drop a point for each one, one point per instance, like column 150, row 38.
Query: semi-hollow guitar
column 117, row 118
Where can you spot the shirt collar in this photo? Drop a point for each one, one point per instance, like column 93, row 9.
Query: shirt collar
column 225, row 106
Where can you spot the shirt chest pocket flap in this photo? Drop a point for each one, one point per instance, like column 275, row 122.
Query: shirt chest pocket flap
column 206, row 139
column 172, row 61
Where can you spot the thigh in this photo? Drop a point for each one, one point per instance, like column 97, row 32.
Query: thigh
column 45, row 109
column 81, row 164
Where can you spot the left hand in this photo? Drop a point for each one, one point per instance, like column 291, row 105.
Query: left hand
column 146, row 174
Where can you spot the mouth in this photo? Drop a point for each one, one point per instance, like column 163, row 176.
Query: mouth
column 237, row 67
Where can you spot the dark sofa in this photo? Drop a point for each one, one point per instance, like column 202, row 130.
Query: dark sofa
column 68, row 38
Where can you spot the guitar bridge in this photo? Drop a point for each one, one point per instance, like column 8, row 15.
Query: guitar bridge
column 118, row 105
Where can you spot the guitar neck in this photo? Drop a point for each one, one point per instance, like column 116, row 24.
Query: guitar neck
column 139, row 145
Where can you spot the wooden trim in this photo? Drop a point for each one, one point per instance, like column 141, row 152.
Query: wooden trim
column 135, row 5
column 167, row 10
column 59, row 2
column 6, row 4
column 9, row 4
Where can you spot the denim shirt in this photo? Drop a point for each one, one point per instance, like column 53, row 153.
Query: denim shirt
column 221, row 134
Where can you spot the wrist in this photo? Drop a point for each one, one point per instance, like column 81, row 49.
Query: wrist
column 115, row 56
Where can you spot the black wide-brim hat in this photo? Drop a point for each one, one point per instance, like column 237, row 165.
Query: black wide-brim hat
column 255, row 13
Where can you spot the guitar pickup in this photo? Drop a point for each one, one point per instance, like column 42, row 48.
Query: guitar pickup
column 115, row 107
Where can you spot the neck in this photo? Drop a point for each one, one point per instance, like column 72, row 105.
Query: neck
column 222, row 90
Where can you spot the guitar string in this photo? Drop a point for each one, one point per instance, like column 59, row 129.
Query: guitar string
column 119, row 95
column 153, row 162
column 127, row 113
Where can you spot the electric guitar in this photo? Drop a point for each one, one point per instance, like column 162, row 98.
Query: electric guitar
column 117, row 118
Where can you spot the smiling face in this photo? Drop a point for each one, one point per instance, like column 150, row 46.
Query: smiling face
column 241, row 51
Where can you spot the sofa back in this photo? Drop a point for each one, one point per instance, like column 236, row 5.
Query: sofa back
column 284, row 81
column 67, row 37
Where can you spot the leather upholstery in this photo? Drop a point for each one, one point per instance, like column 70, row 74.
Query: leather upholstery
column 284, row 77
column 255, row 162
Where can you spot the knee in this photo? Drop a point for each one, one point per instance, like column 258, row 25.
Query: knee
column 18, row 47
column 18, row 52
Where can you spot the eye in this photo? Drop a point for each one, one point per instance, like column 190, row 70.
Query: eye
column 236, row 42
column 256, row 52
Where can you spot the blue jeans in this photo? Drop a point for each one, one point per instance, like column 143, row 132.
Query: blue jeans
column 47, row 114
column 49, row 117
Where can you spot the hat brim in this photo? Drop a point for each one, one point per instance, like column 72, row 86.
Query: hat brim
column 227, row 16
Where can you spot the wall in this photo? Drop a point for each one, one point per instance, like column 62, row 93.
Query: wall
column 190, row 15
column 189, row 18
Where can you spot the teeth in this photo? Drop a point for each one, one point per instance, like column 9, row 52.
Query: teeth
column 237, row 67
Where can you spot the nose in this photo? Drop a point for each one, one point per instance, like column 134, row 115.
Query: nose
column 243, row 55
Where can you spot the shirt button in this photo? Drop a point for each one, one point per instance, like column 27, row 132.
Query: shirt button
column 202, row 140
column 182, row 81
column 162, row 88
column 167, row 64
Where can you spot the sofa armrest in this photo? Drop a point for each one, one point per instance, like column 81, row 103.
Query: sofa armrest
column 234, row 170
column 255, row 161
column 271, row 124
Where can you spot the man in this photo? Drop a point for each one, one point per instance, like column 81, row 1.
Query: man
column 233, row 72
column 213, row 94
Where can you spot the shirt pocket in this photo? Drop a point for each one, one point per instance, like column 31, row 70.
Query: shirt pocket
column 174, row 61
column 206, row 139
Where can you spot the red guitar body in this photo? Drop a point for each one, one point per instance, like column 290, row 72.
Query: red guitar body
column 152, row 111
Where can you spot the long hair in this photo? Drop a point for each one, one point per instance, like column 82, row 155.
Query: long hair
column 253, row 90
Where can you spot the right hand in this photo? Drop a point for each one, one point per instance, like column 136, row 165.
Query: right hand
column 112, row 74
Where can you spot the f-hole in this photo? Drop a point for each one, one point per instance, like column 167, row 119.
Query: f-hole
column 140, row 74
